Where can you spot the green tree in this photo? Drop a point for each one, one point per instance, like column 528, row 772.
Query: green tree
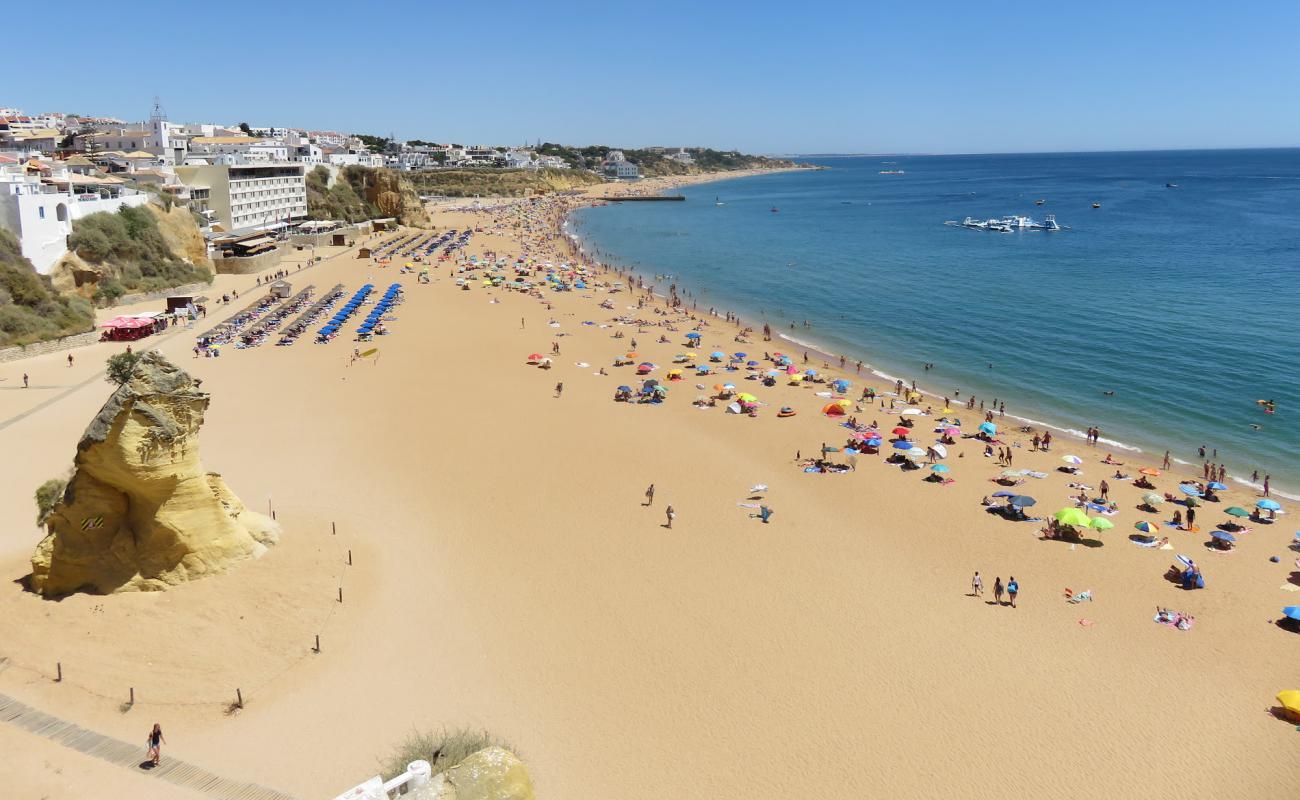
column 118, row 368
column 243, row 126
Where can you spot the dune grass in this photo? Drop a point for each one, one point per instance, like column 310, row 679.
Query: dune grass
column 442, row 749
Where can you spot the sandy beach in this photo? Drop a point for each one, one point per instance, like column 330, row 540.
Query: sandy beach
column 506, row 575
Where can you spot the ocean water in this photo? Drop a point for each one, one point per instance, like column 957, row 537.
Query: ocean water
column 1182, row 301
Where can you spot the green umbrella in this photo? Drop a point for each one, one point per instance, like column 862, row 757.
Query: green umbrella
column 1192, row 502
column 1152, row 499
column 1236, row 511
column 1072, row 516
column 1101, row 524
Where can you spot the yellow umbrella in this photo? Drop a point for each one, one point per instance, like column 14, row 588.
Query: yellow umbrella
column 1290, row 700
column 1072, row 516
column 747, row 398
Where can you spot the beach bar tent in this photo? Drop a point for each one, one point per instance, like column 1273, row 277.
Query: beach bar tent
column 281, row 289
column 250, row 245
column 127, row 328
column 387, row 223
column 364, row 252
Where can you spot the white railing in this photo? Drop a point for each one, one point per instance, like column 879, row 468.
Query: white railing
column 416, row 777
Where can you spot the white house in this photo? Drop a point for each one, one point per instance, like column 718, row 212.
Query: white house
column 40, row 210
column 617, row 166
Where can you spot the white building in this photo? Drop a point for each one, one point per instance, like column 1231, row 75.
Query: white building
column 248, row 197
column 682, row 157
column 356, row 159
column 308, row 153
column 158, row 137
column 329, row 138
column 40, row 210
column 617, row 166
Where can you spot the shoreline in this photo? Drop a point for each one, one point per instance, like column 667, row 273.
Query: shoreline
column 1289, row 490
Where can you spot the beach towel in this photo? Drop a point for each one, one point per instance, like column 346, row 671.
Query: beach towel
column 1139, row 543
column 1072, row 596
column 1175, row 620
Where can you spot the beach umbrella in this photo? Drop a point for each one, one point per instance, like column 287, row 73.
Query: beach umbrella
column 1189, row 490
column 951, row 432
column 901, row 431
column 1223, row 536
column 1268, row 505
column 1218, row 487
column 1292, row 612
column 1186, row 561
column 645, row 365
column 988, row 428
column 1152, row 471
column 746, row 398
column 792, row 370
column 1191, row 502
column 939, row 468
column 1072, row 516
column 1147, row 527
column 729, row 386
column 692, row 336
column 1022, row 500
column 624, row 389
column 740, row 356
column 939, row 450
column 1072, row 460
column 1152, row 499
column 1290, row 700
column 1236, row 511
column 902, row 445
column 1101, row 524
column 1005, row 494
column 811, row 373
column 717, row 354
column 535, row 357
column 751, row 363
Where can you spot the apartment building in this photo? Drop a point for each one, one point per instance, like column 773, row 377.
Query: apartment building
column 249, row 197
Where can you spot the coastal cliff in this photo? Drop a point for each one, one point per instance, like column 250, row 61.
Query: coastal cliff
column 140, row 513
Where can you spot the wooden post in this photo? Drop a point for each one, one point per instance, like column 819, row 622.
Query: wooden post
column 340, row 594
column 317, row 647
column 334, row 529
column 132, row 696
column 58, row 666
column 349, row 558
column 239, row 699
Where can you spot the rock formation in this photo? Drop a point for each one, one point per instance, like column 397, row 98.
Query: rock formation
column 490, row 774
column 139, row 513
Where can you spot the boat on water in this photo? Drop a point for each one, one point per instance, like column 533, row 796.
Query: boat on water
column 1039, row 202
column 717, row 201
column 775, row 209
column 1096, row 205
column 892, row 172
column 1171, row 186
column 1009, row 223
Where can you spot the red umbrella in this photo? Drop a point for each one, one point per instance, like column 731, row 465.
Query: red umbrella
column 901, row 431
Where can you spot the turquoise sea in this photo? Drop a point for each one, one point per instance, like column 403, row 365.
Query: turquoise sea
column 1184, row 301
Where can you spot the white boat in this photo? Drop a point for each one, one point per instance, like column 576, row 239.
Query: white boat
column 718, row 201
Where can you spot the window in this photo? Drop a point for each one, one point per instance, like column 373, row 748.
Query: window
column 41, row 210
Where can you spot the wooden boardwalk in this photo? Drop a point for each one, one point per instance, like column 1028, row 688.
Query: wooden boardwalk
column 124, row 754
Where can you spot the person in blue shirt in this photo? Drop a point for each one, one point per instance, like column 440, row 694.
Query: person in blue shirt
column 1013, row 589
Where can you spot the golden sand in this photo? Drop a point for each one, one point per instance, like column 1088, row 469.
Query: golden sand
column 506, row 576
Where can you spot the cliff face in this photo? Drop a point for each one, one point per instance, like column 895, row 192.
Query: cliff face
column 490, row 774
column 140, row 513
column 394, row 196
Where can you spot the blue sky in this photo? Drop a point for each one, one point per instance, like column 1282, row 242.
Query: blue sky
column 762, row 77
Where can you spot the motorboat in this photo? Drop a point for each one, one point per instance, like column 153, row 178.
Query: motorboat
column 775, row 209
column 717, row 201
column 1096, row 205
column 892, row 172
column 1039, row 202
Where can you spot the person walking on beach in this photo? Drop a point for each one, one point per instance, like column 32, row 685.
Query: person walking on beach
column 671, row 515
column 1267, row 478
column 997, row 590
column 559, row 389
column 25, row 386
column 1165, row 463
column 1105, row 490
column 977, row 585
column 155, row 741
column 1013, row 589
column 650, row 495
column 69, row 359
column 1191, row 518
column 1047, row 440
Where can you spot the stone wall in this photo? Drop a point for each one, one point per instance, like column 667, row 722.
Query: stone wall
column 247, row 265
column 49, row 346
column 175, row 291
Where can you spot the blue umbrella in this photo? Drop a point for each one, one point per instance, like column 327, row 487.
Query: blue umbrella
column 751, row 363
column 1224, row 536
column 1292, row 612
column 988, row 427
column 812, row 373
column 717, row 354
column 1022, row 500
column 1186, row 489
column 624, row 388
column 1004, row 494
column 1268, row 505
column 1218, row 487
column 692, row 336
column 902, row 445
column 939, row 468
column 741, row 355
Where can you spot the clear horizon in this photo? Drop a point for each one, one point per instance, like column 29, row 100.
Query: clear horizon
column 946, row 79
